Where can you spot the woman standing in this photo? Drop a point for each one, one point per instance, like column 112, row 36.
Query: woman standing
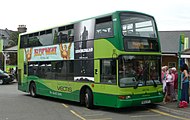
column 164, row 74
column 174, row 71
column 185, row 83
column 170, row 84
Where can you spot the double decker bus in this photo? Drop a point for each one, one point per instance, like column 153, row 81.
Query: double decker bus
column 112, row 60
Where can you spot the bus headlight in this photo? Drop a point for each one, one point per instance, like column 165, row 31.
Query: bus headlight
column 159, row 93
column 128, row 97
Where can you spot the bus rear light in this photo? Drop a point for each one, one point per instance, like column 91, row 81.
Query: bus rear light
column 121, row 97
column 124, row 97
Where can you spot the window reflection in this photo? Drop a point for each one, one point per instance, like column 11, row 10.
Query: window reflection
column 138, row 25
column 108, row 71
column 139, row 71
column 59, row 70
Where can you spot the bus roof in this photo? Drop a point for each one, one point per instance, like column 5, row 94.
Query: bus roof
column 69, row 23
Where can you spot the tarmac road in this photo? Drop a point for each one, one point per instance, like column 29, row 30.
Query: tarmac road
column 17, row 105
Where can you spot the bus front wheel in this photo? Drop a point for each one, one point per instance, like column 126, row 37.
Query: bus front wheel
column 32, row 89
column 88, row 99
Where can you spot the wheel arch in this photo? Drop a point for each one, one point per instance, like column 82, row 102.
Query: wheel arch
column 82, row 93
column 32, row 81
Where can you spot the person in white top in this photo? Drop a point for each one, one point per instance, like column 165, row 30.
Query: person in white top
column 164, row 74
column 170, row 93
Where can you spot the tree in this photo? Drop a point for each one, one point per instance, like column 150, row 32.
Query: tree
column 14, row 37
column 11, row 43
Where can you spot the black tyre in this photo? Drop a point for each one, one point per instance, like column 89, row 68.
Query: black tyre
column 32, row 89
column 88, row 99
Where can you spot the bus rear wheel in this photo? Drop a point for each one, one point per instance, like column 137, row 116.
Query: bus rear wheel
column 32, row 89
column 88, row 99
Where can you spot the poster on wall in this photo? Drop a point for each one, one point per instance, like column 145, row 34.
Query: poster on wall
column 84, row 51
column 63, row 51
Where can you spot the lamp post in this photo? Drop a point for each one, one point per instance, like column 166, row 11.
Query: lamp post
column 181, row 41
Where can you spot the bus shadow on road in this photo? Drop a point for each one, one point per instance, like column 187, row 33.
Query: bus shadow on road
column 126, row 110
column 57, row 100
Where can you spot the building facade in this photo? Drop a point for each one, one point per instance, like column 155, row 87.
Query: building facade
column 170, row 47
column 8, row 48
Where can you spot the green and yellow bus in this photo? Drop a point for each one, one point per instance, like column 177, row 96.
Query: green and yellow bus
column 111, row 60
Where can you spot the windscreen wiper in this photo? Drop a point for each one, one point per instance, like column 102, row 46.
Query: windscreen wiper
column 138, row 81
column 155, row 85
column 136, row 86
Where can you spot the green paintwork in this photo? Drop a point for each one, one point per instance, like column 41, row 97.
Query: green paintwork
column 135, row 100
column 97, row 73
column 103, row 94
column 102, row 48
column 179, row 68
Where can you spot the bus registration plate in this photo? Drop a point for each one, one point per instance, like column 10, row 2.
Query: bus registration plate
column 146, row 102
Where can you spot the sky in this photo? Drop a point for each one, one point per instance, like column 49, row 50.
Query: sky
column 42, row 14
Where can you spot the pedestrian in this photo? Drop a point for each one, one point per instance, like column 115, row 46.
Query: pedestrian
column 164, row 73
column 174, row 71
column 12, row 71
column 169, row 96
column 163, row 77
column 170, row 84
column 185, row 83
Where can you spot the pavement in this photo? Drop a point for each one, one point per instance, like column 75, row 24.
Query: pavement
column 173, row 108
